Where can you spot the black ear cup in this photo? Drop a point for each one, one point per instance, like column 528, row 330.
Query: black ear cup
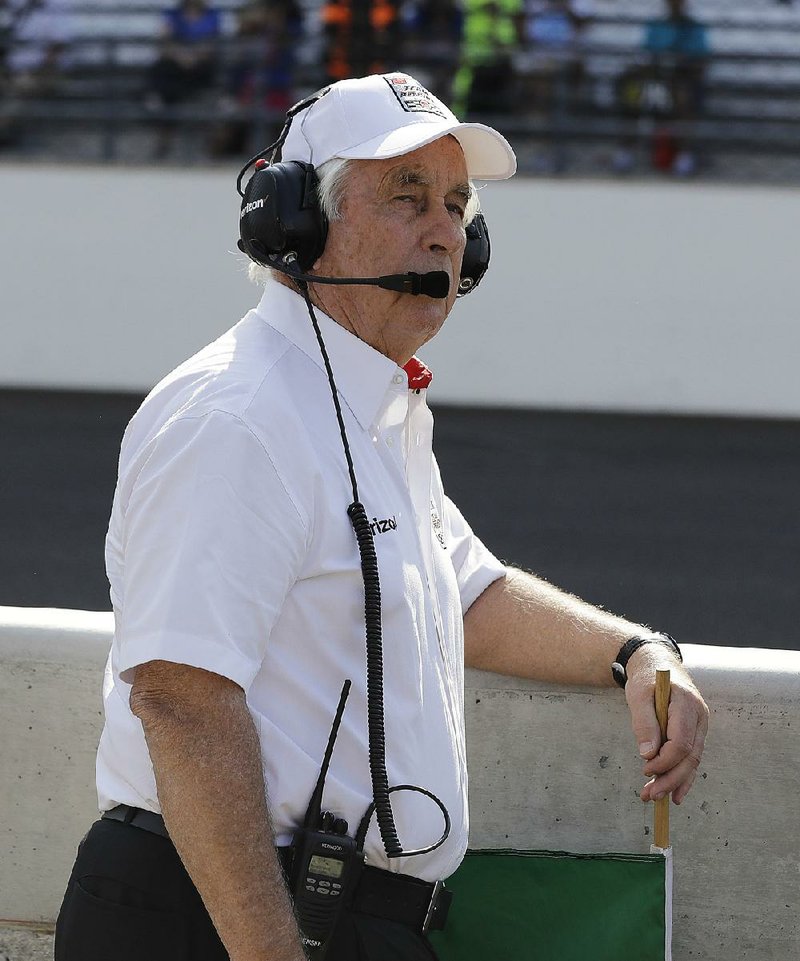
column 476, row 256
column 280, row 215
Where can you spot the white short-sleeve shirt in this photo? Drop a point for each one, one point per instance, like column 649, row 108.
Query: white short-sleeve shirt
column 230, row 549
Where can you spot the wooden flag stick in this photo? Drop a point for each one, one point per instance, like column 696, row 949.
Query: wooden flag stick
column 661, row 814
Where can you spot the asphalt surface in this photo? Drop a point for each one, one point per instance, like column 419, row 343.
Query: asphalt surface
column 688, row 524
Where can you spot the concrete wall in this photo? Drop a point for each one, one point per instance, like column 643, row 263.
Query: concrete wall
column 550, row 768
column 648, row 297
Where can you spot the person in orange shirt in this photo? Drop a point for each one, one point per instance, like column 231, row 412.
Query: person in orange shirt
column 361, row 38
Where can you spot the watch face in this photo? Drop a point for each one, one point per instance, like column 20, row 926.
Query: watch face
column 618, row 673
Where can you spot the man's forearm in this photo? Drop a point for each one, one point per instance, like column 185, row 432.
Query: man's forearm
column 525, row 627
column 211, row 789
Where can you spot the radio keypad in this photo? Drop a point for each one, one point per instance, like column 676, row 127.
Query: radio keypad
column 328, row 888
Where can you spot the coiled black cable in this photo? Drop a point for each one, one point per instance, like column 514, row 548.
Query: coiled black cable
column 363, row 827
column 374, row 640
column 375, row 715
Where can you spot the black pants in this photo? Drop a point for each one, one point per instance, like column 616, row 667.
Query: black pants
column 129, row 898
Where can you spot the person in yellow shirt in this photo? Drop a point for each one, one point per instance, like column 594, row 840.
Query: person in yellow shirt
column 484, row 82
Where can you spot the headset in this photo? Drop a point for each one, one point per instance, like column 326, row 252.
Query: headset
column 281, row 225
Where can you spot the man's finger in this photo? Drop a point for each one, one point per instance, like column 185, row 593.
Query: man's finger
column 686, row 733
column 682, row 790
column 676, row 782
column 645, row 725
column 677, row 778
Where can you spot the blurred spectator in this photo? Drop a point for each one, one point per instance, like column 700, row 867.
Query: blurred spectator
column 186, row 64
column 262, row 72
column 668, row 87
column 361, row 37
column 433, row 43
column 34, row 52
column 549, row 65
column 485, row 80
column 677, row 34
column 552, row 37
column 187, row 60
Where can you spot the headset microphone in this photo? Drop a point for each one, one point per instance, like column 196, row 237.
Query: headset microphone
column 435, row 283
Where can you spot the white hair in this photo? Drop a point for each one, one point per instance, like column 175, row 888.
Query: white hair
column 331, row 182
column 332, row 177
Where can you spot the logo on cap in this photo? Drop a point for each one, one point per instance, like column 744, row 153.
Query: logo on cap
column 413, row 97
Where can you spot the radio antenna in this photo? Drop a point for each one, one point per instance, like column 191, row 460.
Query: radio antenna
column 314, row 812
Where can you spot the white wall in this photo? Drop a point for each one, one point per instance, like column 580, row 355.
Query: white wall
column 553, row 768
column 629, row 296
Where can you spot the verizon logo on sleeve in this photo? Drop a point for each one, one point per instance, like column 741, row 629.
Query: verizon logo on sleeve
column 438, row 528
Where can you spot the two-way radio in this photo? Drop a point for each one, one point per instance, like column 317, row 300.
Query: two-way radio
column 325, row 860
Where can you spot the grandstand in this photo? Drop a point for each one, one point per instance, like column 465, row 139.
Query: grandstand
column 748, row 126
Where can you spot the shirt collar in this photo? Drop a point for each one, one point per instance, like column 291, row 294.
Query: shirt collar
column 363, row 375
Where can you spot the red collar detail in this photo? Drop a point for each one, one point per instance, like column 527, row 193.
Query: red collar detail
column 418, row 374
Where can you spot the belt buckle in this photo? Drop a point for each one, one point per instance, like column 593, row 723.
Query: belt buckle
column 438, row 887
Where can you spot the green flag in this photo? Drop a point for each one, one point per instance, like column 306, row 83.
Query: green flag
column 555, row 906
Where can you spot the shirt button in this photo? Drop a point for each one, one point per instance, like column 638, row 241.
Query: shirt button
column 390, row 441
column 397, row 379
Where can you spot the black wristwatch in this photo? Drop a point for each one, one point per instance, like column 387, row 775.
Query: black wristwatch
column 619, row 667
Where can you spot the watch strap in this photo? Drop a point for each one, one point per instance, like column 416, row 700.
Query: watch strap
column 619, row 667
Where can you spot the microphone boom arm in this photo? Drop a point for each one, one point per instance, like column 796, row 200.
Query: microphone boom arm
column 435, row 283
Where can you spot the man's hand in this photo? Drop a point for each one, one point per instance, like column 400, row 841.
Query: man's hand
column 671, row 766
column 523, row 626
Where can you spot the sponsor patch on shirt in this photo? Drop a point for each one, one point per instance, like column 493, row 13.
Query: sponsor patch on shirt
column 436, row 522
column 383, row 526
column 413, row 97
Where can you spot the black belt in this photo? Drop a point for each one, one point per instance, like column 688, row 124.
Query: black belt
column 146, row 820
column 421, row 905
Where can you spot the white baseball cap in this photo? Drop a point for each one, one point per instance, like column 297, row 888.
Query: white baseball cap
column 387, row 115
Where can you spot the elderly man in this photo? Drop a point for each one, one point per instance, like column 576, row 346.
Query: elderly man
column 239, row 596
